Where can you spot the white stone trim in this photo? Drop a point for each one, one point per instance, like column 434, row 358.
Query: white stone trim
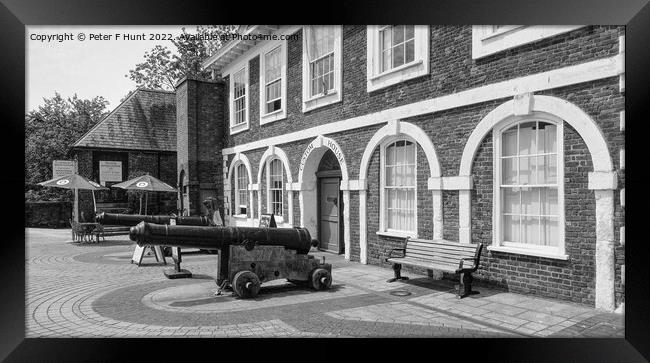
column 602, row 180
column 281, row 114
column 240, row 159
column 306, row 185
column 463, row 182
column 621, row 234
column 570, row 113
column 621, row 116
column 418, row 67
column 271, row 153
column 585, row 72
column 392, row 129
column 485, row 43
column 622, row 158
column 235, row 129
column 622, row 196
column 310, row 103
column 605, row 259
column 528, row 252
column 464, row 216
column 621, row 52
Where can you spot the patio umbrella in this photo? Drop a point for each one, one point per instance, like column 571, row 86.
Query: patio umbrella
column 75, row 182
column 146, row 183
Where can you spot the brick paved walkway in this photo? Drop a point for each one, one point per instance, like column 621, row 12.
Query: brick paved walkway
column 91, row 290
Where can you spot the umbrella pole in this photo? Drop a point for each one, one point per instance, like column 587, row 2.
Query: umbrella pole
column 94, row 203
column 140, row 204
column 76, row 205
column 146, row 202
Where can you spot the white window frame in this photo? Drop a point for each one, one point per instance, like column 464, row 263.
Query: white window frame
column 310, row 102
column 279, row 219
column 238, row 204
column 485, row 41
column 280, row 114
column 383, row 230
column 234, row 129
column 376, row 79
column 558, row 252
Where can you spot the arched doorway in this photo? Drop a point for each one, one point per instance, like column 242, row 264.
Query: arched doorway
column 330, row 205
column 322, row 174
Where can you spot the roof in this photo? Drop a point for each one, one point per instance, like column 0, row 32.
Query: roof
column 248, row 37
column 146, row 120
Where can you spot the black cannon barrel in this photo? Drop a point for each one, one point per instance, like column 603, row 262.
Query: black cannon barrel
column 220, row 237
column 118, row 219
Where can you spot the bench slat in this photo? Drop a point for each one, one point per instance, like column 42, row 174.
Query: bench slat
column 456, row 247
column 440, row 253
column 424, row 264
column 451, row 261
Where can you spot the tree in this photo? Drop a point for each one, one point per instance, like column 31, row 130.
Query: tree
column 161, row 68
column 52, row 129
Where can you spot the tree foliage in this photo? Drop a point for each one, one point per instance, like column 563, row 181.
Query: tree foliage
column 51, row 130
column 162, row 68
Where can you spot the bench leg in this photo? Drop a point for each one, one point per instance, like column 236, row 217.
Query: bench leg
column 465, row 286
column 397, row 268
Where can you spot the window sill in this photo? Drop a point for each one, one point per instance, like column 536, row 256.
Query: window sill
column 321, row 101
column 396, row 69
column 396, row 234
column 522, row 251
column 502, row 31
column 240, row 216
column 321, row 95
column 273, row 116
column 239, row 128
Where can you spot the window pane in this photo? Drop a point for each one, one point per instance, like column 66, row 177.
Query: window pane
column 530, row 201
column 548, row 199
column 527, row 138
column 409, row 175
column 547, row 137
column 398, row 34
column 511, row 200
column 398, row 55
column 550, row 169
column 511, row 228
column 550, row 232
column 410, row 51
column 526, row 171
column 386, row 63
column 530, row 230
column 509, row 142
column 509, row 171
column 409, row 32
column 390, row 176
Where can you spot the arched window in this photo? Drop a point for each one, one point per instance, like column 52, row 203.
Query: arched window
column 399, row 188
column 529, row 185
column 241, row 190
column 275, row 187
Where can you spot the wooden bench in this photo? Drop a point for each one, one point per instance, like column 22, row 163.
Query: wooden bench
column 452, row 257
column 103, row 231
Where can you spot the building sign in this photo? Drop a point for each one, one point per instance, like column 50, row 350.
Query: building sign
column 110, row 171
column 329, row 143
column 62, row 167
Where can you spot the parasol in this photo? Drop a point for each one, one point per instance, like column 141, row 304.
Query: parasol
column 146, row 183
column 75, row 182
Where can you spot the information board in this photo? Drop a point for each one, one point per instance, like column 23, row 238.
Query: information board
column 62, row 167
column 267, row 220
column 110, row 171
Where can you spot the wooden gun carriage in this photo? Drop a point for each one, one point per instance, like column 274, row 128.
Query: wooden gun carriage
column 248, row 256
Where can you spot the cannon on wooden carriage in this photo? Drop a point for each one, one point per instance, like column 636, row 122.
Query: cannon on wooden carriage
column 130, row 220
column 248, row 256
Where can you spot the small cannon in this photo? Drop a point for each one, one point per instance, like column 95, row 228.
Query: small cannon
column 248, row 256
column 117, row 219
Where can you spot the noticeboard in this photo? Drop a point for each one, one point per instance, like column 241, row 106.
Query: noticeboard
column 110, row 171
column 267, row 221
column 62, row 167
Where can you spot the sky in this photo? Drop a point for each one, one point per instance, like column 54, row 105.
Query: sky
column 89, row 68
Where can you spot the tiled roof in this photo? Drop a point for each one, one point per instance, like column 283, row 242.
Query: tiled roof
column 146, row 120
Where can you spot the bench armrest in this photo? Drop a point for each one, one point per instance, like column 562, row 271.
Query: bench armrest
column 389, row 252
column 460, row 264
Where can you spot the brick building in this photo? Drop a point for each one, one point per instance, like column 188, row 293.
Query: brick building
column 137, row 137
column 511, row 136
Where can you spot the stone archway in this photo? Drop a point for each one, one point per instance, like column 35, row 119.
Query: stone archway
column 309, row 162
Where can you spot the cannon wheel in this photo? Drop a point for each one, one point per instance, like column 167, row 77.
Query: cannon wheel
column 246, row 284
column 320, row 279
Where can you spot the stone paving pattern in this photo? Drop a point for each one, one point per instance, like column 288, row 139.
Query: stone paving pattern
column 91, row 290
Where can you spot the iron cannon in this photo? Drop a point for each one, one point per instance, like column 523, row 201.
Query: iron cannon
column 118, row 219
column 248, row 256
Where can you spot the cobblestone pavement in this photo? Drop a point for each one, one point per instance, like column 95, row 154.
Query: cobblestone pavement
column 91, row 290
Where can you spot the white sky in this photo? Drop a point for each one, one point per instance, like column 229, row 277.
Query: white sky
column 89, row 68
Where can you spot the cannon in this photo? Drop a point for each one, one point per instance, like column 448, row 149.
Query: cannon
column 129, row 220
column 248, row 256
